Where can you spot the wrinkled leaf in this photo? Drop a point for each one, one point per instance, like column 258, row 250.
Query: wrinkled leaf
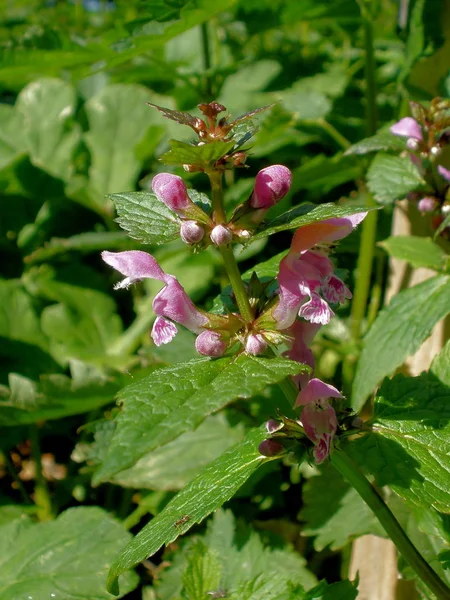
column 391, row 178
column 170, row 401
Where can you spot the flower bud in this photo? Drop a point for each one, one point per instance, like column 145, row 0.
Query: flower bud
column 221, row 235
column 244, row 235
column 210, row 343
column 255, row 344
column 271, row 184
column 171, row 189
column 273, row 426
column 270, row 448
column 427, row 204
column 191, row 232
column 412, row 144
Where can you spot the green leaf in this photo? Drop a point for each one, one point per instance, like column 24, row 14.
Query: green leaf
column 12, row 142
column 202, row 573
column 170, row 401
column 119, row 120
column 418, row 251
column 323, row 173
column 47, row 107
column 409, row 438
column 216, row 484
column 18, row 318
column 175, row 464
column 66, row 558
column 145, row 218
column 337, row 518
column 398, row 331
column 204, row 156
column 55, row 396
column 440, row 367
column 391, row 178
column 382, row 140
column 342, row 590
column 90, row 241
column 305, row 214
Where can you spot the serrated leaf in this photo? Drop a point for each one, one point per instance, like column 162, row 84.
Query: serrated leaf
column 180, row 116
column 170, row 401
column 398, row 331
column 418, row 251
column 383, row 140
column 66, row 558
column 175, row 464
column 145, row 218
column 337, row 518
column 216, row 484
column 409, row 439
column 202, row 573
column 203, row 156
column 305, row 214
column 391, row 178
column 440, row 367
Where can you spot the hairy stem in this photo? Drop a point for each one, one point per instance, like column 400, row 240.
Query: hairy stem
column 351, row 473
column 219, row 216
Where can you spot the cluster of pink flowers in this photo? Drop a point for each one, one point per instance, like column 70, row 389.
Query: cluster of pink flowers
column 306, row 287
column 425, row 142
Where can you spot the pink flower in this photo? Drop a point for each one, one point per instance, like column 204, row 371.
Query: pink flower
column 318, row 417
column 445, row 173
column 271, row 185
column 170, row 304
column 407, row 127
column 303, row 334
column 305, row 278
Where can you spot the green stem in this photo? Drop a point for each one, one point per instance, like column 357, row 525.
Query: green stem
column 237, row 284
column 369, row 70
column 215, row 179
column 206, row 60
column 334, row 133
column 42, row 496
column 364, row 273
column 351, row 472
column 129, row 341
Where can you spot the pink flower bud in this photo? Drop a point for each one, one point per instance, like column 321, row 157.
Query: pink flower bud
column 255, row 344
column 191, row 232
column 270, row 448
column 221, row 235
column 210, row 343
column 427, row 204
column 271, row 184
column 171, row 189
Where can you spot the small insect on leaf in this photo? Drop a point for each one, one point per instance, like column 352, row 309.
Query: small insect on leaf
column 184, row 519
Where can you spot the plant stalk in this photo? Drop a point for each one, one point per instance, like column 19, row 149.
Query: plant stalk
column 351, row 473
column 206, row 61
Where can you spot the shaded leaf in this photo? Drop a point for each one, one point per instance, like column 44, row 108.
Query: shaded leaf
column 211, row 488
column 65, row 558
